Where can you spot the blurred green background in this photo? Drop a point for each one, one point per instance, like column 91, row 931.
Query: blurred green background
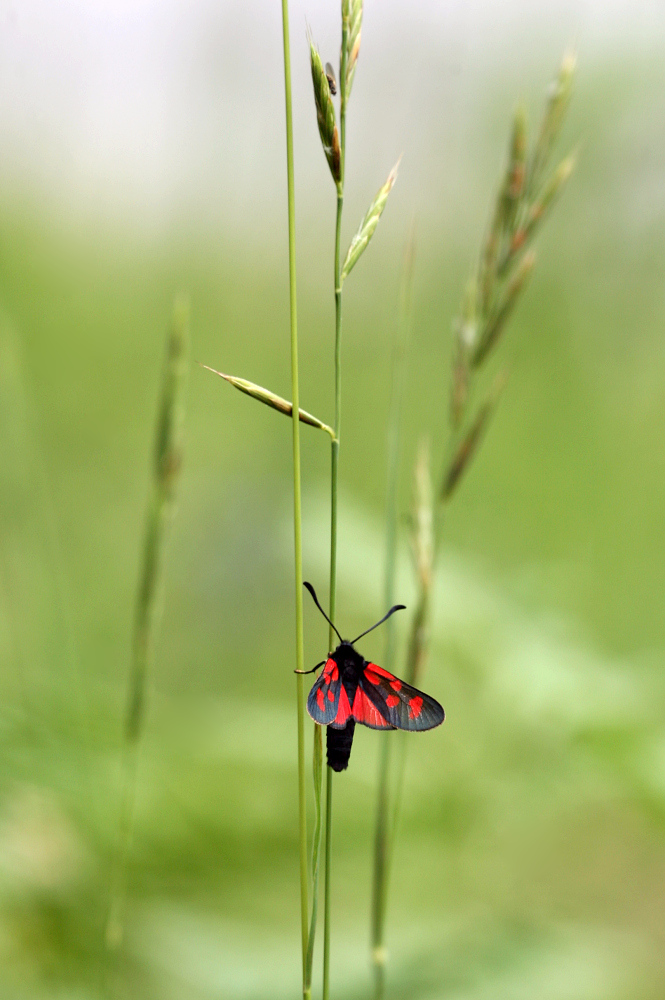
column 531, row 858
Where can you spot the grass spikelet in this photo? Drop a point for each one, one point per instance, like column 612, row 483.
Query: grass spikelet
column 466, row 330
column 537, row 211
column 516, row 176
column 369, row 223
column 507, row 205
column 469, row 443
column 168, row 445
column 325, row 114
column 352, row 11
column 271, row 399
column 560, row 92
column 497, row 321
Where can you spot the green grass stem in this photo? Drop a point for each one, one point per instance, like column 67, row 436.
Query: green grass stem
column 381, row 832
column 326, row 889
column 297, row 508
column 317, row 770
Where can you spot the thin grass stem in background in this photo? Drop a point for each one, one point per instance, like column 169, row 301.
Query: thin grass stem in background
column 166, row 467
column 380, row 866
column 423, row 550
column 297, row 509
column 317, row 774
column 390, row 794
column 24, row 477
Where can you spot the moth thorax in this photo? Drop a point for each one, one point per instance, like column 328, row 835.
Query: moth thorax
column 348, row 659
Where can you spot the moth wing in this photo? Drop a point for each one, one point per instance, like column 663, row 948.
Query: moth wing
column 323, row 699
column 369, row 706
column 400, row 704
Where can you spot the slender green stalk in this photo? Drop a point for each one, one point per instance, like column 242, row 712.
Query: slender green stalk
column 317, row 770
column 338, row 414
column 297, row 513
column 334, row 476
column 167, row 461
column 381, row 835
column 326, row 888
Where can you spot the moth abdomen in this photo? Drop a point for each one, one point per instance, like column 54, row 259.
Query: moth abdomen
column 338, row 745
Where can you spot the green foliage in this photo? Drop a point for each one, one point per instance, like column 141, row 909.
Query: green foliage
column 537, row 811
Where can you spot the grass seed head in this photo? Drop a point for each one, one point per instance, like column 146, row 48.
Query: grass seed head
column 369, row 223
column 325, row 114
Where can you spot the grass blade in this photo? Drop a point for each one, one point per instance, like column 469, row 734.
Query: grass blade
column 271, row 399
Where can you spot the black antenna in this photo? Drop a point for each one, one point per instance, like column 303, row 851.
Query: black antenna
column 395, row 607
column 316, row 601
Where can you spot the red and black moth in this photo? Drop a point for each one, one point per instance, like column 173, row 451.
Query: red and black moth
column 350, row 690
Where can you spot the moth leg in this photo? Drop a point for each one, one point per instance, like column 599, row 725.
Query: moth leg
column 312, row 670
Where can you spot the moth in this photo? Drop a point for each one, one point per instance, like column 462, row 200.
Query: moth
column 351, row 690
column 330, row 76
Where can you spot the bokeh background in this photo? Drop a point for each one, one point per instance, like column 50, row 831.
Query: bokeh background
column 142, row 153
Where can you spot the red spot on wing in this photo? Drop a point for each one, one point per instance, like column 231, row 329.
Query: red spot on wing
column 380, row 671
column 396, row 684
column 415, row 707
column 331, row 695
column 371, row 677
column 319, row 700
column 392, row 700
column 366, row 712
column 329, row 667
column 335, row 673
column 343, row 708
